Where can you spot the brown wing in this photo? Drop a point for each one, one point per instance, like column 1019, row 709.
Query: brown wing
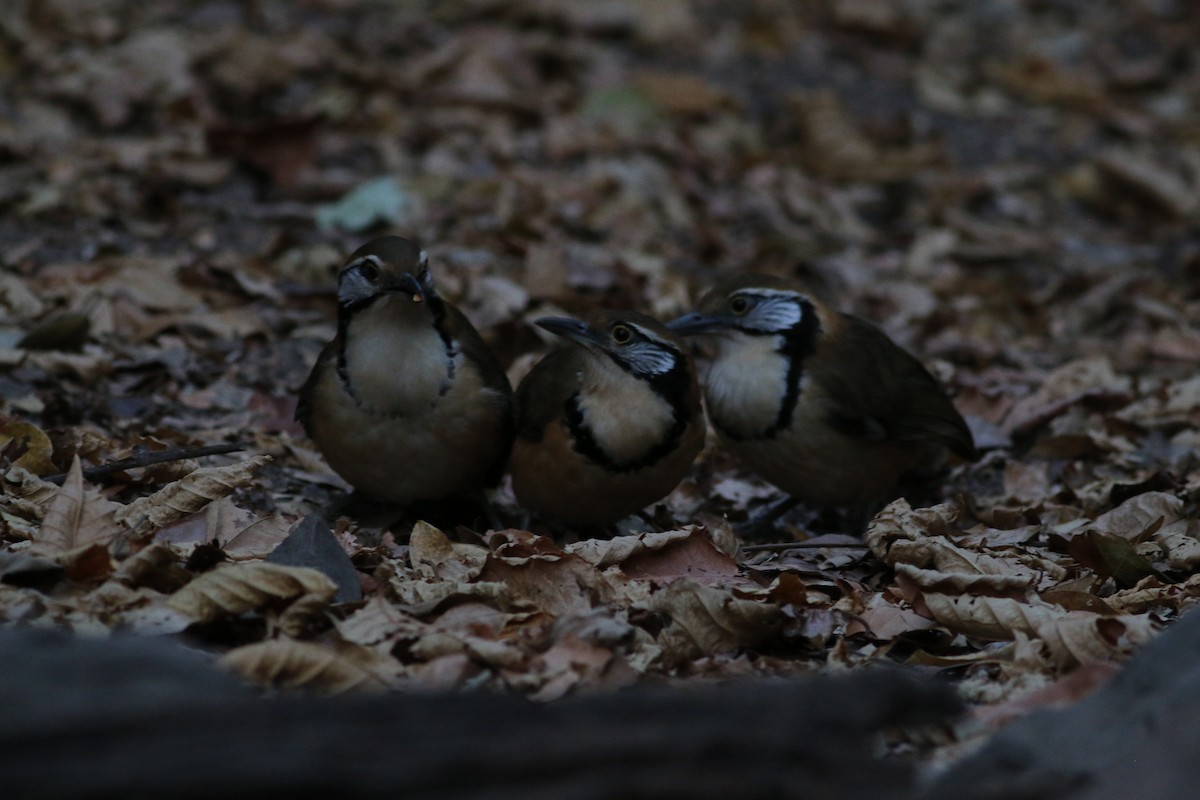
column 493, row 376
column 304, row 403
column 880, row 390
column 473, row 345
column 542, row 393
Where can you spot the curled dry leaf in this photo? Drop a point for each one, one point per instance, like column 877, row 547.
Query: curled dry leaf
column 706, row 620
column 25, row 493
column 1151, row 592
column 573, row 662
column 1082, row 637
column 379, row 623
column 899, row 521
column 497, row 653
column 238, row 588
column 602, row 553
column 434, row 556
column 945, row 556
column 31, row 442
column 886, row 620
column 556, row 585
column 76, row 518
column 666, row 556
column 153, row 563
column 1180, row 543
column 931, row 580
column 288, row 664
column 421, row 597
column 991, row 618
column 187, row 495
column 1131, row 519
column 1086, row 378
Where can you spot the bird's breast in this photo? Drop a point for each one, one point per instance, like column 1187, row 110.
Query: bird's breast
column 395, row 367
column 624, row 415
column 746, row 386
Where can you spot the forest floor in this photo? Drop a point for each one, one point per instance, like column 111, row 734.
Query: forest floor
column 1010, row 189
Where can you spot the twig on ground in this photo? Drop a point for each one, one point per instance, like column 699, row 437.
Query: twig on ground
column 146, row 458
column 752, row 548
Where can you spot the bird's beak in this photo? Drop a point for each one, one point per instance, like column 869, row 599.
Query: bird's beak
column 409, row 285
column 573, row 329
column 696, row 323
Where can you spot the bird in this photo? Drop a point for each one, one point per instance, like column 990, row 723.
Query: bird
column 608, row 423
column 407, row 403
column 820, row 403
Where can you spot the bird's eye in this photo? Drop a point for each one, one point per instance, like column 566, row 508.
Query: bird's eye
column 369, row 271
column 739, row 305
column 621, row 334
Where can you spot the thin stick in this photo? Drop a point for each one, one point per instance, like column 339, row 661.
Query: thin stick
column 753, row 548
column 152, row 457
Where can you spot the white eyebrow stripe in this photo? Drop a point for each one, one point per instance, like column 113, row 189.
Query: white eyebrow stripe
column 775, row 311
column 652, row 336
column 650, row 357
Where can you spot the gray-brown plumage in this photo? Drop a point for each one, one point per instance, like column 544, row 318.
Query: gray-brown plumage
column 820, row 403
column 407, row 403
column 607, row 424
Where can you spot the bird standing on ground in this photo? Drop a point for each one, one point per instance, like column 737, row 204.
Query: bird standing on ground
column 407, row 403
column 820, row 403
column 608, row 423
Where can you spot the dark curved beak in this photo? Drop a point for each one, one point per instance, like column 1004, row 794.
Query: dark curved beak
column 573, row 329
column 695, row 323
column 408, row 284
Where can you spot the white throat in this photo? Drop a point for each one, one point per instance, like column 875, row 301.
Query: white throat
column 746, row 383
column 625, row 415
column 396, row 362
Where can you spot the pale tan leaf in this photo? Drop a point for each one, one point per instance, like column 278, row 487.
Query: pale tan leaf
column 945, row 556
column 602, row 553
column 1132, row 518
column 1180, row 543
column 33, row 493
column 435, row 644
column 1151, row 592
column 664, row 557
column 569, row 663
column 992, row 618
column 930, row 580
column 421, row 597
column 885, row 620
column 434, row 556
column 706, row 620
column 34, row 443
column 154, row 560
column 379, row 623
column 187, row 496
column 1069, row 384
column 257, row 539
column 554, row 584
column 238, row 588
column 1082, row 637
column 76, row 518
column 898, row 521
column 288, row 664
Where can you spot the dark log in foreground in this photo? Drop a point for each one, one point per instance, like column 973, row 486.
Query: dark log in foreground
column 1138, row 736
column 138, row 718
